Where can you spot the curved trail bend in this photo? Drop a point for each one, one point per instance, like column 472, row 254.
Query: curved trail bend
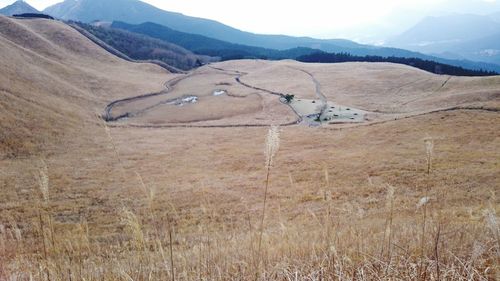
column 169, row 86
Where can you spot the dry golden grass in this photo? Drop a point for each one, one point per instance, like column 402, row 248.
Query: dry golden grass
column 52, row 78
column 81, row 201
column 241, row 105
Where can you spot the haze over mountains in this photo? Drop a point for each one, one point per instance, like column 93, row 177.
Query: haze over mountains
column 136, row 12
column 459, row 36
column 470, row 41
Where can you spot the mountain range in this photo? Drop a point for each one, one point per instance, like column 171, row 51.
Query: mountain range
column 208, row 46
column 458, row 36
column 18, row 7
column 433, row 36
column 136, row 12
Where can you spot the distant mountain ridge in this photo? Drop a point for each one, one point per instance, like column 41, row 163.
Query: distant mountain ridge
column 136, row 12
column 466, row 36
column 435, row 30
column 208, row 46
column 18, row 7
column 212, row 47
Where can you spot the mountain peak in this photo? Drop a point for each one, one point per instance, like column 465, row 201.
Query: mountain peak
column 18, row 7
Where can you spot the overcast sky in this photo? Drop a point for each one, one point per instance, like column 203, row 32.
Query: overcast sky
column 317, row 18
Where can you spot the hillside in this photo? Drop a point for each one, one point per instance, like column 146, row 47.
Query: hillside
column 382, row 90
column 178, row 187
column 209, row 46
column 140, row 47
column 18, row 7
column 427, row 65
column 54, row 80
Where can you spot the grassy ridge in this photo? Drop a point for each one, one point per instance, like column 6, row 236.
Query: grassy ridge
column 140, row 47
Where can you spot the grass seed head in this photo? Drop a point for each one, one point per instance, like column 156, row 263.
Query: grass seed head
column 272, row 144
column 423, row 201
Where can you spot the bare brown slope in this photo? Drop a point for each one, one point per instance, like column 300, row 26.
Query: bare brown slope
column 53, row 80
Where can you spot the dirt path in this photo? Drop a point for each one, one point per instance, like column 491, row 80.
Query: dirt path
column 319, row 93
column 429, row 94
column 350, row 126
column 169, row 86
column 108, row 114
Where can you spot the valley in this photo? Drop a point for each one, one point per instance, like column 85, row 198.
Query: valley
column 119, row 170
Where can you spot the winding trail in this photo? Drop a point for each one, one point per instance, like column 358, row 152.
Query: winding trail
column 108, row 116
column 169, row 86
column 319, row 93
column 429, row 94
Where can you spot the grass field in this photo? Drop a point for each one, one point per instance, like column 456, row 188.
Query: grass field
column 411, row 194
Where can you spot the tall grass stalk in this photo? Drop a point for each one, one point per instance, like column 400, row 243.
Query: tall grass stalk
column 422, row 204
column 429, row 149
column 388, row 224
column 271, row 148
column 43, row 185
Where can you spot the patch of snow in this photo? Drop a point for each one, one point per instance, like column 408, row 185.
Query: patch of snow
column 191, row 99
column 219, row 92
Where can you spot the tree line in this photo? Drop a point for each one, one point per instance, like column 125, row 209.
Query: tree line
column 427, row 65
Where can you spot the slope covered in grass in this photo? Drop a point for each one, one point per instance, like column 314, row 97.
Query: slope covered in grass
column 413, row 197
column 53, row 80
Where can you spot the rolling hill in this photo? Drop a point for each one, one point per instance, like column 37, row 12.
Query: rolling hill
column 18, row 7
column 54, row 80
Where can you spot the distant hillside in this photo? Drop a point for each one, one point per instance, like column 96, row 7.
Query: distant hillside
column 135, row 12
column 141, row 47
column 485, row 49
column 471, row 37
column 435, row 31
column 208, row 46
column 427, row 65
column 18, row 7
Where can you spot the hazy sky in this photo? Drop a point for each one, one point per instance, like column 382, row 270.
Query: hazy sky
column 318, row 18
